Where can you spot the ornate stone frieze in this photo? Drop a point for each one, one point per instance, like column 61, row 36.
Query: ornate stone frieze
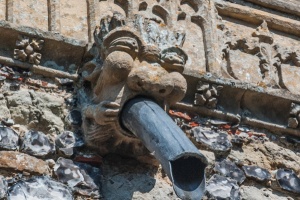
column 260, row 60
column 253, row 59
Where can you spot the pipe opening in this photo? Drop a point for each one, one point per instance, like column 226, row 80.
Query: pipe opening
column 188, row 173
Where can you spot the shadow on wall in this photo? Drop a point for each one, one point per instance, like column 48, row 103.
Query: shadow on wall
column 127, row 178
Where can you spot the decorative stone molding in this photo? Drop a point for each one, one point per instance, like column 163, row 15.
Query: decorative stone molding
column 265, row 62
column 207, row 94
column 256, row 16
column 290, row 7
column 27, row 49
column 256, row 51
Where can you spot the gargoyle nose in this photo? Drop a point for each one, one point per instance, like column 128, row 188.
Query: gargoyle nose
column 153, row 81
column 161, row 88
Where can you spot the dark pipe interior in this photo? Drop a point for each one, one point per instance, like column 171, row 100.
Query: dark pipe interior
column 188, row 173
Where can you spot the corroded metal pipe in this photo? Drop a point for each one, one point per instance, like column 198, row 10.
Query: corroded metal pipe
column 181, row 160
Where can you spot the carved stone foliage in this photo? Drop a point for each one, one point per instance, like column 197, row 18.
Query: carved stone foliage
column 289, row 55
column 294, row 118
column 27, row 49
column 253, row 59
column 207, row 94
column 259, row 60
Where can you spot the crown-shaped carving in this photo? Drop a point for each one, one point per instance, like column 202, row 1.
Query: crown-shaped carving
column 148, row 30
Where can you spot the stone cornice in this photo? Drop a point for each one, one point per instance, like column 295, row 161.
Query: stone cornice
column 290, row 7
column 256, row 17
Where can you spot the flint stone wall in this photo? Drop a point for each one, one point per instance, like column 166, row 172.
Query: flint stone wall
column 243, row 45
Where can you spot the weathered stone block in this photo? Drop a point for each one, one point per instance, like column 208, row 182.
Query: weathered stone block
column 33, row 13
column 73, row 19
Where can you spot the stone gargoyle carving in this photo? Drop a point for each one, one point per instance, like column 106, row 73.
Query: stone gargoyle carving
column 142, row 57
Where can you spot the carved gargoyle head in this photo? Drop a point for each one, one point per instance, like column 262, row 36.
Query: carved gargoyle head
column 141, row 58
column 145, row 59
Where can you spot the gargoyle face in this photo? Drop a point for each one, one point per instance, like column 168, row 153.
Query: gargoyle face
column 143, row 69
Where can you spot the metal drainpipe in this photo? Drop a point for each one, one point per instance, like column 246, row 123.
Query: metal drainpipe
column 181, row 160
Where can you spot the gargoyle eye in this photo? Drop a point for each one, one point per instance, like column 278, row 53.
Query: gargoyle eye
column 174, row 55
column 172, row 58
column 126, row 44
